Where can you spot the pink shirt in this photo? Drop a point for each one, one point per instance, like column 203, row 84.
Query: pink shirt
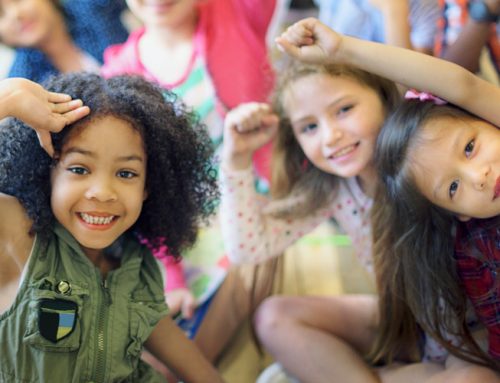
column 231, row 37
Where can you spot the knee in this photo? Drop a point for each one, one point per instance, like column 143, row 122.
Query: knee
column 271, row 315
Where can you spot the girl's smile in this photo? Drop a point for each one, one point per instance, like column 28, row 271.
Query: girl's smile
column 335, row 120
column 98, row 182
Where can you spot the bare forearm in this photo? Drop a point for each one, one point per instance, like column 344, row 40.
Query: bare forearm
column 169, row 344
column 466, row 49
column 423, row 72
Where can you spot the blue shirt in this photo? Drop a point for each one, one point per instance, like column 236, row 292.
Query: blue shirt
column 358, row 18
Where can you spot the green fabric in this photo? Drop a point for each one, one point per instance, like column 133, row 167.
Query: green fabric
column 126, row 307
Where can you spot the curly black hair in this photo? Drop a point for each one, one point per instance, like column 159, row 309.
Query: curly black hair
column 180, row 178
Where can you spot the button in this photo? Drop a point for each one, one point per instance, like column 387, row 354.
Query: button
column 63, row 287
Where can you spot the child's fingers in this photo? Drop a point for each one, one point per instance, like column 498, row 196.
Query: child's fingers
column 287, row 47
column 63, row 107
column 188, row 306
column 76, row 114
column 58, row 97
column 45, row 141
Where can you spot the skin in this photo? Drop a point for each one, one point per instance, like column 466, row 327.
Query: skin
column 328, row 115
column 458, row 168
column 336, row 122
column 26, row 23
column 166, row 47
column 101, row 172
column 44, row 111
column 311, row 41
column 40, row 25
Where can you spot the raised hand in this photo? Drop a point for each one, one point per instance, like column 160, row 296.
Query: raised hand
column 44, row 111
column 247, row 127
column 181, row 300
column 311, row 41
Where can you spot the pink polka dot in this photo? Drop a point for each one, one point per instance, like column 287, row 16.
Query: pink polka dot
column 339, row 206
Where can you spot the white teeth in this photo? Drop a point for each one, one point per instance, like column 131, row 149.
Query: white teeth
column 344, row 151
column 90, row 219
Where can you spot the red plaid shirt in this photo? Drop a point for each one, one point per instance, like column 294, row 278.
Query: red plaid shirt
column 477, row 251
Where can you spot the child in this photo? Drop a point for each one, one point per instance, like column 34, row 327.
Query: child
column 213, row 55
column 80, row 295
column 51, row 36
column 436, row 162
column 329, row 118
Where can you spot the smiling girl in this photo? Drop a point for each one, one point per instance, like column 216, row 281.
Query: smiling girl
column 80, row 295
column 327, row 121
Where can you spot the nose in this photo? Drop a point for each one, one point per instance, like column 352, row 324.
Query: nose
column 477, row 175
column 330, row 134
column 101, row 190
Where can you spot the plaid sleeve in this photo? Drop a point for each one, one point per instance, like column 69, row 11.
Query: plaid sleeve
column 477, row 251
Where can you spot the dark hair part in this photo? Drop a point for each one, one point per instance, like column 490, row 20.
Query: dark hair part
column 419, row 287
column 292, row 172
column 180, row 178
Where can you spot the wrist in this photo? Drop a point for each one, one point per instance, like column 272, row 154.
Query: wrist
column 236, row 162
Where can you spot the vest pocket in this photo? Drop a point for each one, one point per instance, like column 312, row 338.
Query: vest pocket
column 53, row 323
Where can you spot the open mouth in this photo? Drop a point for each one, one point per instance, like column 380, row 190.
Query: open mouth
column 102, row 220
column 344, row 151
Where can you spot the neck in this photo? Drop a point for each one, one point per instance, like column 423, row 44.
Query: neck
column 171, row 36
column 368, row 180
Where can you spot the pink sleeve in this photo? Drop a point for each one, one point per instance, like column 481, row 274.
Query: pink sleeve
column 175, row 274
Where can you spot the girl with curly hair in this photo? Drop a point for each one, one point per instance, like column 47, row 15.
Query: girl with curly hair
column 80, row 295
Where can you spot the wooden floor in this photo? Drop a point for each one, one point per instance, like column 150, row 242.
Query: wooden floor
column 322, row 263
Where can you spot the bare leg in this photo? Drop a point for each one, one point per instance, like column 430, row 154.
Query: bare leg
column 320, row 339
column 231, row 305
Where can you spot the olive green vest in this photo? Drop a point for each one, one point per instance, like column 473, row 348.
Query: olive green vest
column 68, row 325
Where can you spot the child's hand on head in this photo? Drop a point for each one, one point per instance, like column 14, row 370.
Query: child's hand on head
column 310, row 41
column 44, row 111
column 181, row 300
column 246, row 128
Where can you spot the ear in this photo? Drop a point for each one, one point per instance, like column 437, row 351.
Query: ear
column 145, row 196
column 463, row 218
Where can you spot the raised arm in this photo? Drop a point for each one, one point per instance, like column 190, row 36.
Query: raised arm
column 44, row 111
column 311, row 41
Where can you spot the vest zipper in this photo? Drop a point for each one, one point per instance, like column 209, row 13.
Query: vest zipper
column 102, row 325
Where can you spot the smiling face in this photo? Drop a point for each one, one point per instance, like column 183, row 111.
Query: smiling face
column 98, row 183
column 26, row 23
column 336, row 121
column 456, row 165
column 163, row 12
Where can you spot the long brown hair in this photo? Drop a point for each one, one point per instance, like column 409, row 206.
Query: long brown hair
column 292, row 174
column 419, row 288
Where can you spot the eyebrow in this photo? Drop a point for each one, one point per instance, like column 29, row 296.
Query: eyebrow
column 305, row 118
column 88, row 153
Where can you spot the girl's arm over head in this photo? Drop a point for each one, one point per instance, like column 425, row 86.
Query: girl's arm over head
column 44, row 111
column 311, row 41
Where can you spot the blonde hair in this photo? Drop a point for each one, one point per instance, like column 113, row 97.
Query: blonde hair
column 292, row 174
